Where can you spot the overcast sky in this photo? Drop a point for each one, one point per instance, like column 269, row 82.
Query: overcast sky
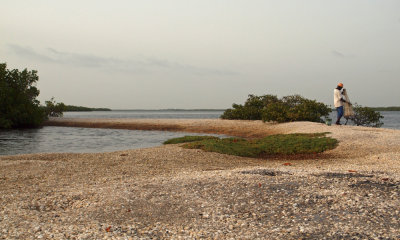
column 155, row 54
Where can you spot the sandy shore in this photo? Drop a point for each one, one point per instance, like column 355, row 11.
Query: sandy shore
column 351, row 192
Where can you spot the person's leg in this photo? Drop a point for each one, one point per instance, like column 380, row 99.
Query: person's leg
column 339, row 114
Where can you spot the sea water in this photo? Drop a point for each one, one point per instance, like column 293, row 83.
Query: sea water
column 80, row 140
column 148, row 114
column 391, row 119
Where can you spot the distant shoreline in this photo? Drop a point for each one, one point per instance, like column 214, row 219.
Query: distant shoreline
column 389, row 109
column 87, row 109
column 170, row 109
column 71, row 108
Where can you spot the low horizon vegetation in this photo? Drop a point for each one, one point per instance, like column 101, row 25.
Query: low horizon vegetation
column 390, row 108
column 72, row 108
column 274, row 145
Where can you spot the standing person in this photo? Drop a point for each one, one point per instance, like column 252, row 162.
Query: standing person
column 338, row 101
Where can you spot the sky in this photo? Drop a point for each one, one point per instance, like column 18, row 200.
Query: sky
column 198, row 54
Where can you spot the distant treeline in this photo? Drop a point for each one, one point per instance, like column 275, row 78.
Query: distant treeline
column 386, row 108
column 196, row 109
column 70, row 108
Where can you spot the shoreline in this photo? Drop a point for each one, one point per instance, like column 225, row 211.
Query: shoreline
column 217, row 126
column 238, row 128
column 171, row 192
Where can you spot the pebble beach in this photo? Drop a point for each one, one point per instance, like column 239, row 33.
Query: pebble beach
column 168, row 192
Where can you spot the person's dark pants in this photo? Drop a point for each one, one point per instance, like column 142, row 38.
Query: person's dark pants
column 339, row 114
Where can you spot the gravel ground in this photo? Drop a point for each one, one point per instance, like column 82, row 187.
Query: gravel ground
column 167, row 192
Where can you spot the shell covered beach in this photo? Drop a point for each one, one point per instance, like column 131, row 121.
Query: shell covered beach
column 167, row 192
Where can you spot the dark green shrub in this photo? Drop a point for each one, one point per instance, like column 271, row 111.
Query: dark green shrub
column 252, row 108
column 19, row 107
column 236, row 112
column 295, row 108
column 18, row 104
column 275, row 112
column 366, row 116
column 270, row 108
column 54, row 109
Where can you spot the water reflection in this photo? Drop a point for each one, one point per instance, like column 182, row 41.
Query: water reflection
column 19, row 140
column 79, row 140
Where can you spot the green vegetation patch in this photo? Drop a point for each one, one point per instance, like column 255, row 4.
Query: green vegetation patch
column 282, row 144
column 187, row 139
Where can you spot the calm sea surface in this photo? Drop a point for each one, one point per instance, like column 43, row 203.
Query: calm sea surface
column 79, row 140
column 191, row 114
column 391, row 119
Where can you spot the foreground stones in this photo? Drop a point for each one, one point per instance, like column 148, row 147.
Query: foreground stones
column 217, row 204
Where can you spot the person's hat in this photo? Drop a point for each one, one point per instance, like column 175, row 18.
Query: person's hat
column 340, row 85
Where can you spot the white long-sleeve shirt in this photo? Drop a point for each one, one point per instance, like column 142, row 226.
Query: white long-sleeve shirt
column 337, row 95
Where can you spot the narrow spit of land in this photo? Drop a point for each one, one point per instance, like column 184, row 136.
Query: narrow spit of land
column 233, row 128
column 169, row 192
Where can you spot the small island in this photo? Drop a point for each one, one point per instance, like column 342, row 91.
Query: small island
column 393, row 108
column 71, row 108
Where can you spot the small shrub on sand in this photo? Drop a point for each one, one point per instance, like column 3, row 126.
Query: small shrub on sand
column 271, row 108
column 366, row 116
column 282, row 144
column 186, row 139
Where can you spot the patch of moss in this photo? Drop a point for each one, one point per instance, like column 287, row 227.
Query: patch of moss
column 282, row 144
column 186, row 139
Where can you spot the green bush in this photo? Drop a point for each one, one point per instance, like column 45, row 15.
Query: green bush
column 252, row 108
column 271, row 108
column 295, row 108
column 18, row 104
column 54, row 109
column 366, row 116
column 19, row 107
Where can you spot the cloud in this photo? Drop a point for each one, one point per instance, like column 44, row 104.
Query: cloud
column 54, row 56
column 341, row 55
column 338, row 54
column 28, row 52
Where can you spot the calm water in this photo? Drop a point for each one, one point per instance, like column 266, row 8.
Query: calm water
column 78, row 140
column 391, row 119
column 191, row 114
